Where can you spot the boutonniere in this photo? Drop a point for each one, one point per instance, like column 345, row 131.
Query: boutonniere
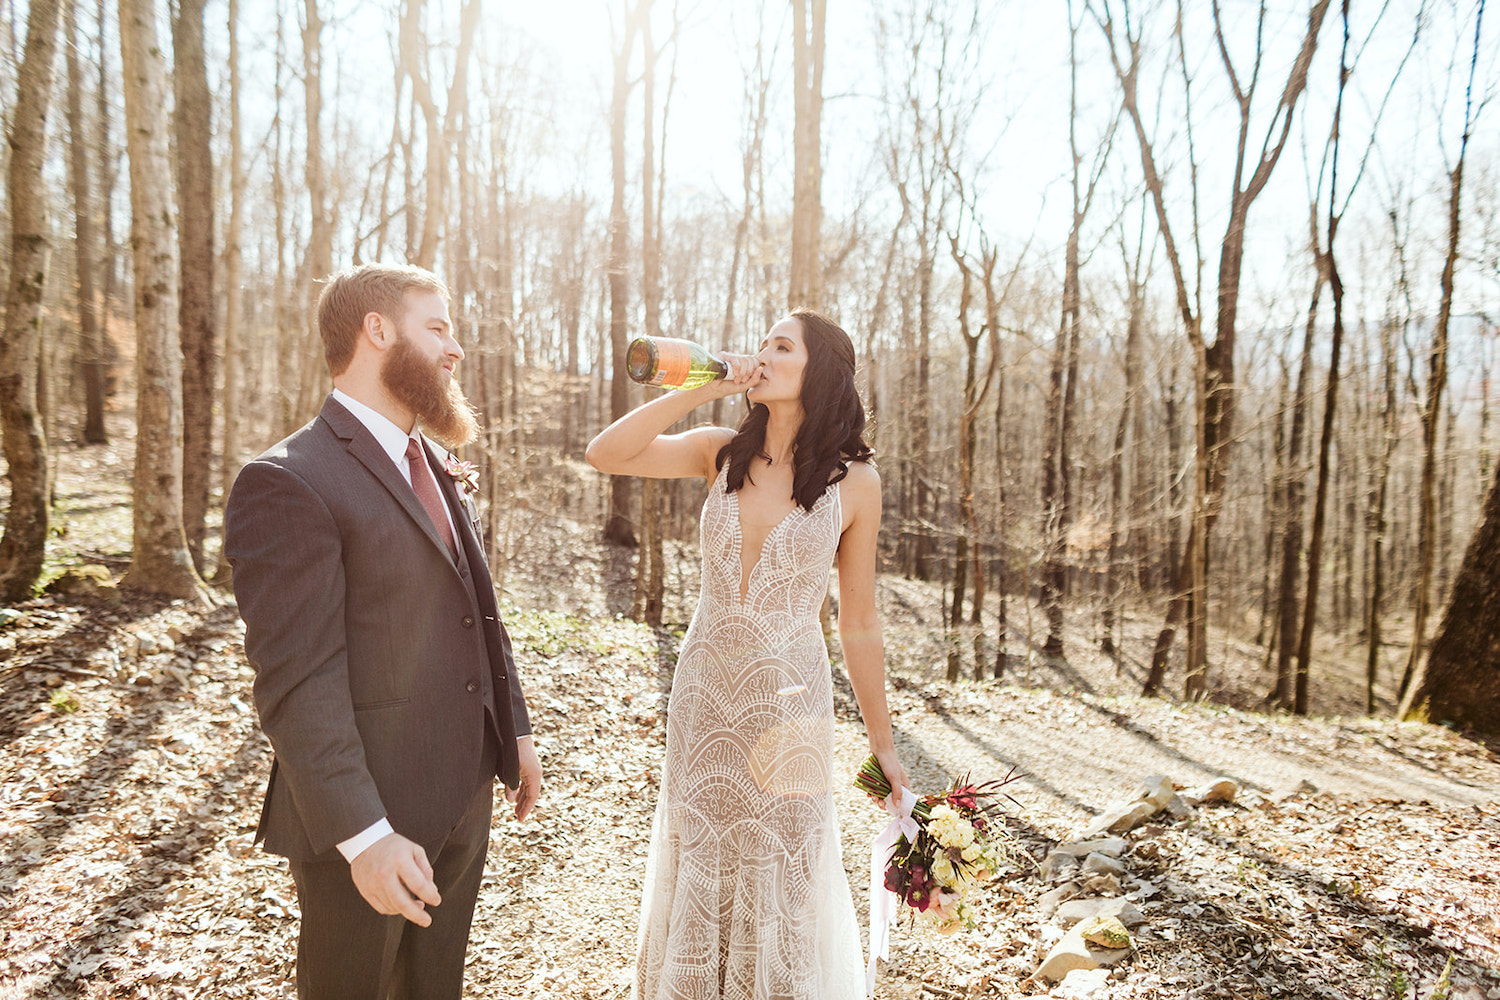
column 464, row 474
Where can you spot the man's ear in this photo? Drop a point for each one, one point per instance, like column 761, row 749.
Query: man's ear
column 377, row 330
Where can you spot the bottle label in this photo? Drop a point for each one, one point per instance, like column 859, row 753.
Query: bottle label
column 674, row 363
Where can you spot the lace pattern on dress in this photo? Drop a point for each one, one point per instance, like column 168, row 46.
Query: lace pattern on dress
column 745, row 895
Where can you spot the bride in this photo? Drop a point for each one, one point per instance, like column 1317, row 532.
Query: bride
column 745, row 894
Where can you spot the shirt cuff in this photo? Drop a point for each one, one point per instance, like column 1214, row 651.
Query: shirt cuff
column 355, row 845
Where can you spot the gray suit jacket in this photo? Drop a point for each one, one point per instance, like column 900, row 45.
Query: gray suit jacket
column 378, row 660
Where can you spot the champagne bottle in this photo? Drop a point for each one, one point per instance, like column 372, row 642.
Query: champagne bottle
column 672, row 363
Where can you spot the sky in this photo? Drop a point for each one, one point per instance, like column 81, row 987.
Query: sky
column 1016, row 91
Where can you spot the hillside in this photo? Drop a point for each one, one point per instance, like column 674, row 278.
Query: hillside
column 1360, row 858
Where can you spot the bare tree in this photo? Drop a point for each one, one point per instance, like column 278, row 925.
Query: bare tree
column 1214, row 371
column 808, row 19
column 85, row 244
column 1415, row 688
column 229, row 460
column 1062, row 387
column 160, row 561
column 617, row 525
column 25, row 540
column 320, row 213
column 195, row 241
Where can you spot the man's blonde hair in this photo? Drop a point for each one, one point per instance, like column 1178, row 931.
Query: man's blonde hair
column 351, row 295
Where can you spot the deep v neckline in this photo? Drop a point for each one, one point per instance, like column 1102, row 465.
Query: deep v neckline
column 747, row 576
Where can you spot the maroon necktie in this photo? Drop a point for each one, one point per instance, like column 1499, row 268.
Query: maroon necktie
column 426, row 490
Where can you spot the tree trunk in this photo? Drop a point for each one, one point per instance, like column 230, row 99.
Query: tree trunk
column 617, row 527
column 1460, row 681
column 24, row 543
column 1291, row 504
column 85, row 245
column 320, row 232
column 1329, row 265
column 195, row 241
column 1376, row 516
column 160, row 561
column 1128, row 420
column 1437, row 381
column 808, row 18
column 650, row 235
column 233, row 303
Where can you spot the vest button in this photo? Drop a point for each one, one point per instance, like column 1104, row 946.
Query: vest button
column 468, row 622
column 471, row 687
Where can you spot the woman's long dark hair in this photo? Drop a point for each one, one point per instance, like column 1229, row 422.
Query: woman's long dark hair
column 833, row 419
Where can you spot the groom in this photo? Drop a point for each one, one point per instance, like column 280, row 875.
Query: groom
column 383, row 675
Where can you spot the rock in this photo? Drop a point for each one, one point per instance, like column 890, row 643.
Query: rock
column 1177, row 808
column 1077, row 911
column 1110, row 846
column 1073, row 952
column 1156, row 790
column 91, row 580
column 1082, row 984
column 1102, row 885
column 1300, row 789
column 1222, row 790
column 7, row 645
column 1119, row 818
column 9, row 616
column 145, row 643
column 175, row 633
column 1050, row 900
column 1058, row 866
column 1099, row 864
column 1105, row 932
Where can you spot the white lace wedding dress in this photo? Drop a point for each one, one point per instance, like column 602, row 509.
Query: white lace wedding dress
column 745, row 896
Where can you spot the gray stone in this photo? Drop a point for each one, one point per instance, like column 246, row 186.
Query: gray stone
column 1120, row 818
column 1082, row 984
column 1105, row 932
column 1100, row 864
column 1073, row 952
column 1110, row 846
column 1058, row 866
column 1156, row 790
column 1222, row 790
column 1102, row 885
column 1076, row 911
column 9, row 616
column 1301, row 788
column 1177, row 808
column 1050, row 900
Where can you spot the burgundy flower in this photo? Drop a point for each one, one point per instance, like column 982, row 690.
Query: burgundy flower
column 895, row 879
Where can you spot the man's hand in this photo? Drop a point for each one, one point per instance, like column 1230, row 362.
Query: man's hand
column 394, row 877
column 525, row 794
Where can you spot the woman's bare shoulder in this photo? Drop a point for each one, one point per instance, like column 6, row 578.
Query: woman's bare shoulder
column 861, row 484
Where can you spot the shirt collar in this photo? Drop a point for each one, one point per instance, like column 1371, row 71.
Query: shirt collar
column 392, row 439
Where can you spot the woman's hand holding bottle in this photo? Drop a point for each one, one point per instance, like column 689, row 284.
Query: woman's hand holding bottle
column 744, row 372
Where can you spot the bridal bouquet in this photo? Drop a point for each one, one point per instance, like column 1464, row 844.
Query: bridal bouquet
column 942, row 845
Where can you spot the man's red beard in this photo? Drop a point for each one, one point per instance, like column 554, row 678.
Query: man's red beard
column 423, row 388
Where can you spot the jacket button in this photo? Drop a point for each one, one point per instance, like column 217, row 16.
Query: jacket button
column 471, row 687
column 468, row 622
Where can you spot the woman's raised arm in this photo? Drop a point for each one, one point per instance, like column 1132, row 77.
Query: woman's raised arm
column 637, row 444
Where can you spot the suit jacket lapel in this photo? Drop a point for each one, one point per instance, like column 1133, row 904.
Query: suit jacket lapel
column 363, row 446
column 467, row 533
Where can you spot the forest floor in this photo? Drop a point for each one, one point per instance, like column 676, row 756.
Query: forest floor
column 1362, row 858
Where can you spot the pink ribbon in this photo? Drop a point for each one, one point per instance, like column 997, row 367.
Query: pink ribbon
column 884, row 903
